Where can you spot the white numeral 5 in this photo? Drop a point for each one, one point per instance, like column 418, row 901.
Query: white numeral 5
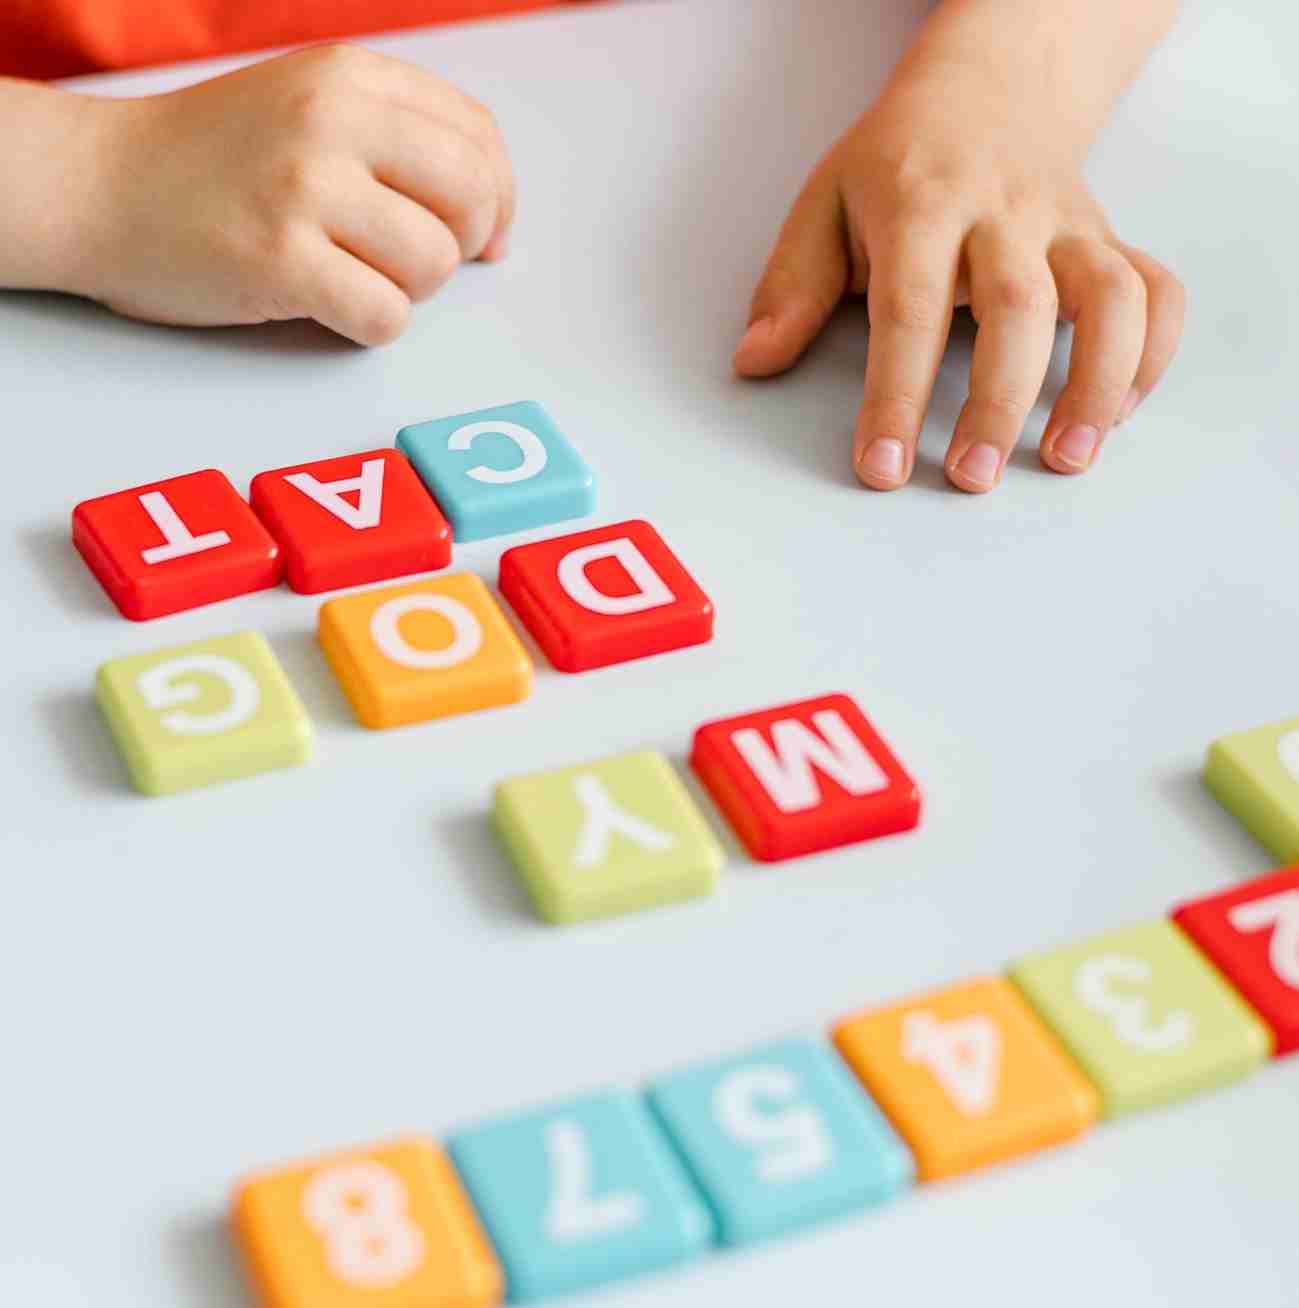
column 360, row 1211
column 1281, row 912
column 573, row 1214
column 794, row 1138
column 964, row 1056
column 1130, row 1014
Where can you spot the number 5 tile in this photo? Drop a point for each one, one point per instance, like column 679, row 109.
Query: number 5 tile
column 1146, row 1016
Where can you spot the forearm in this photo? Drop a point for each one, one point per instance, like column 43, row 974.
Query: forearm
column 1058, row 67
column 49, row 159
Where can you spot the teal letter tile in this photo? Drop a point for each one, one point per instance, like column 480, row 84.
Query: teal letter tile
column 781, row 1138
column 499, row 470
column 580, row 1193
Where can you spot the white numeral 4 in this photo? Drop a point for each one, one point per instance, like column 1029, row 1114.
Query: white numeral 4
column 1281, row 913
column 793, row 1138
column 574, row 1214
column 1130, row 1014
column 964, row 1056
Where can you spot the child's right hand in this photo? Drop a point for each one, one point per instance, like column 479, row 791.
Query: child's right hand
column 333, row 184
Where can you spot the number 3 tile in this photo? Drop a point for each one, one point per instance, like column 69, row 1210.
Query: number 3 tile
column 1146, row 1016
column 581, row 1193
column 780, row 1138
column 386, row 1225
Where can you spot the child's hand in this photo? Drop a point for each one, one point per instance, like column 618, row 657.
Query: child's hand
column 332, row 184
column 953, row 191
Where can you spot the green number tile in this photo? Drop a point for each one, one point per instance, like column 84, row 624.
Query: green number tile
column 612, row 837
column 194, row 714
column 1148, row 1019
column 1255, row 775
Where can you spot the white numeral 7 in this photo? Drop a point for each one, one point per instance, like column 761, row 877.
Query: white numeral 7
column 574, row 1214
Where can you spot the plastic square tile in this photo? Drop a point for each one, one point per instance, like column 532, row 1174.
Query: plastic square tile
column 1255, row 775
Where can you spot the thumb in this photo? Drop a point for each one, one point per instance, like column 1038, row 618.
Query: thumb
column 805, row 279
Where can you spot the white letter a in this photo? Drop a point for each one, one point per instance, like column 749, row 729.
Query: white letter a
column 368, row 509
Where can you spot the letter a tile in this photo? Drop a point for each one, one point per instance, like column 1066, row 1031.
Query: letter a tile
column 612, row 837
column 804, row 777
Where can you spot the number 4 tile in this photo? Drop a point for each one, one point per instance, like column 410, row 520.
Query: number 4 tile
column 1251, row 933
column 780, row 1138
column 390, row 1224
column 581, row 1193
column 1145, row 1014
column 610, row 837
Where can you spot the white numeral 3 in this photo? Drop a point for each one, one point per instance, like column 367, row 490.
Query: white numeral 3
column 1130, row 1014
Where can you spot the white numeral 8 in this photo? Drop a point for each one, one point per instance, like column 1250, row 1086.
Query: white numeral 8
column 360, row 1212
column 794, row 1139
column 1130, row 1014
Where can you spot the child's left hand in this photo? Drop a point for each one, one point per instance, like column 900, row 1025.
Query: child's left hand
column 948, row 193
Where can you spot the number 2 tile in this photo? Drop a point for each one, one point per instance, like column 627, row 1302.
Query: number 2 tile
column 1145, row 1015
column 780, row 1138
column 1251, row 933
column 580, row 1193
column 969, row 1075
column 385, row 1227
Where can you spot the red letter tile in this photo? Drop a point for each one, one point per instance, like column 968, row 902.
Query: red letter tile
column 175, row 545
column 605, row 596
column 1251, row 934
column 804, row 777
column 349, row 521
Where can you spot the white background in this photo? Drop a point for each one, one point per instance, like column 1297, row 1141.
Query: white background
column 195, row 986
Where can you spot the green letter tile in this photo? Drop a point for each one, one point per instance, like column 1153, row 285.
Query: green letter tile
column 194, row 714
column 612, row 837
column 1148, row 1019
column 1255, row 775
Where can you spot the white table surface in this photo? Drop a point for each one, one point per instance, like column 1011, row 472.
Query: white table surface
column 195, row 986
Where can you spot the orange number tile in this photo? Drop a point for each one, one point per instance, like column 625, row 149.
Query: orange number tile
column 428, row 649
column 387, row 1227
column 969, row 1076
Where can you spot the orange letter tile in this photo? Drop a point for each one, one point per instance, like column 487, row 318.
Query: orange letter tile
column 387, row 1227
column 969, row 1076
column 424, row 650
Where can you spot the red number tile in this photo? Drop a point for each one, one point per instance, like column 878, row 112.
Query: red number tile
column 175, row 545
column 1251, row 934
column 605, row 596
column 804, row 777
column 349, row 521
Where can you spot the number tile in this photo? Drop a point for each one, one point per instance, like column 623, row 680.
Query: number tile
column 424, row 650
column 175, row 544
column 352, row 520
column 191, row 715
column 969, row 1076
column 580, row 1193
column 500, row 470
column 1251, row 934
column 804, row 777
column 1145, row 1015
column 384, row 1227
column 780, row 1138
column 610, row 837
column 1255, row 776
column 605, row 596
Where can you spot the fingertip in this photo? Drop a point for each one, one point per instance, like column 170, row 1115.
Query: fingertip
column 881, row 464
column 1071, row 450
column 496, row 249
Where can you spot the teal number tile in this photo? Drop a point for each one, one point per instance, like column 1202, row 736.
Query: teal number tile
column 1145, row 1015
column 500, row 470
column 580, row 1193
column 780, row 1138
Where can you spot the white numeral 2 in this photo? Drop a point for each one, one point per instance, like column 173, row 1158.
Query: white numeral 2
column 573, row 1214
column 360, row 1211
column 1281, row 912
column 794, row 1139
column 1130, row 1014
column 964, row 1055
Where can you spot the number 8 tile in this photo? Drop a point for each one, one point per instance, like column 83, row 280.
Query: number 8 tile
column 580, row 1193
column 1146, row 1016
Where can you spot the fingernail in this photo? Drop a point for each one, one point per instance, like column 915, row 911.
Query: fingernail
column 1130, row 402
column 981, row 464
column 757, row 330
column 884, row 459
column 1075, row 447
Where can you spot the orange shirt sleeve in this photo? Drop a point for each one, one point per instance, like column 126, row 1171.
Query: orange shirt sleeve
column 57, row 38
